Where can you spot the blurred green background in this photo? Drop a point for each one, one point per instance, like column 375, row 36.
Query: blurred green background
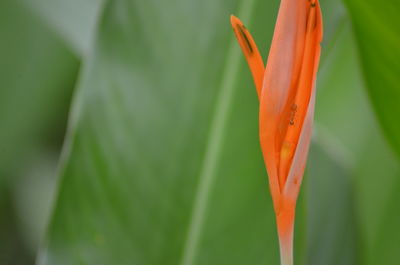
column 129, row 135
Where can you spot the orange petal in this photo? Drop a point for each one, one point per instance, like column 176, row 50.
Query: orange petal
column 292, row 185
column 250, row 51
column 298, row 163
column 300, row 104
column 279, row 86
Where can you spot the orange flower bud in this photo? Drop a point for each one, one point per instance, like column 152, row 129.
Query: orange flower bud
column 286, row 89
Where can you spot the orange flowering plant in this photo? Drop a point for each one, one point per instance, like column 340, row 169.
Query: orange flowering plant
column 286, row 90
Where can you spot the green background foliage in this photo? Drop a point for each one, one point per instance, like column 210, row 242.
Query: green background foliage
column 160, row 161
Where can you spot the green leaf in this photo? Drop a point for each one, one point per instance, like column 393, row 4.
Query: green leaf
column 73, row 20
column 333, row 235
column 344, row 114
column 376, row 25
column 14, row 249
column 332, row 227
column 377, row 176
column 385, row 247
column 37, row 75
column 163, row 164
